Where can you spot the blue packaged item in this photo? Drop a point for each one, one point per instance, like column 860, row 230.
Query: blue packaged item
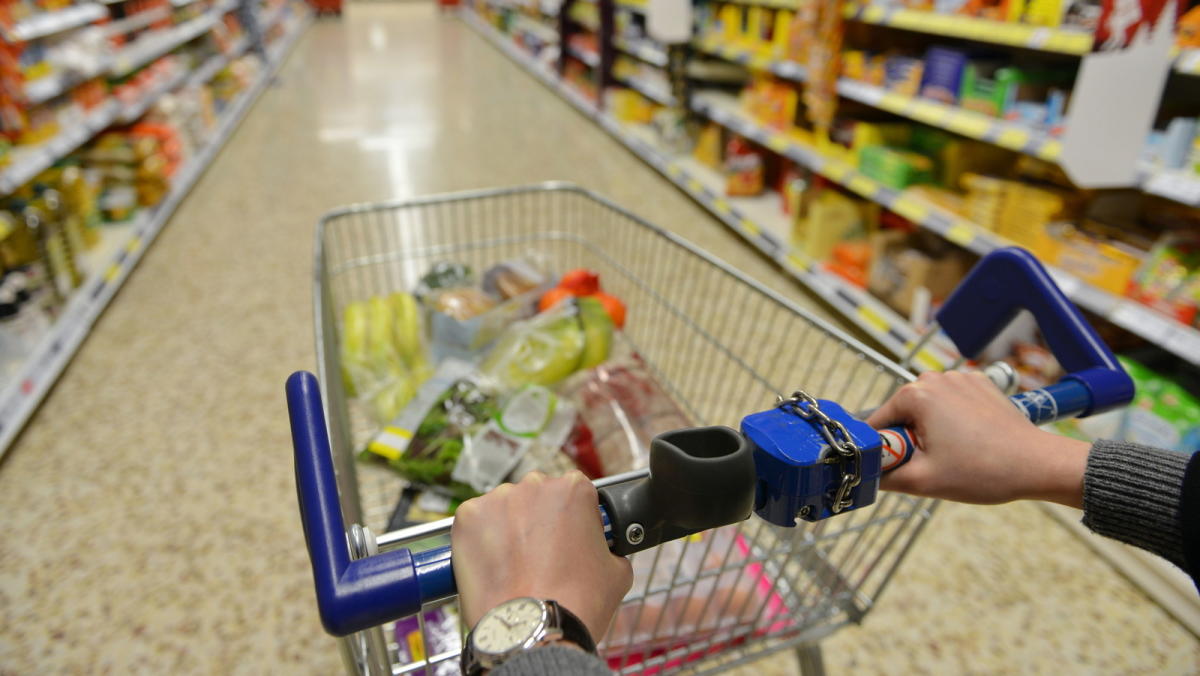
column 943, row 76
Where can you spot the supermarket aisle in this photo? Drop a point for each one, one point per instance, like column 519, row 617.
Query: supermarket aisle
column 150, row 519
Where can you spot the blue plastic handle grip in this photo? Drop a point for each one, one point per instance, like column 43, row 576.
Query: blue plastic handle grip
column 1009, row 280
column 1064, row 399
column 351, row 595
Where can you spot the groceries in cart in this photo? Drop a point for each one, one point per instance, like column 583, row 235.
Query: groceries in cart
column 472, row 380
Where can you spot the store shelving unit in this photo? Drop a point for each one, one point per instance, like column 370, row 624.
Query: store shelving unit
column 1010, row 135
column 122, row 247
column 891, row 330
column 146, row 49
column 755, row 219
column 968, row 28
column 49, row 23
column 30, row 161
column 645, row 50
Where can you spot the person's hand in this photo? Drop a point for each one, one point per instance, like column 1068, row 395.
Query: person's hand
column 541, row 538
column 975, row 446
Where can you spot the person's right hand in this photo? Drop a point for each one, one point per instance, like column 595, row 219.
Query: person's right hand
column 975, row 446
column 542, row 538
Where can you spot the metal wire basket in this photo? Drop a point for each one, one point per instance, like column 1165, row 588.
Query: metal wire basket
column 719, row 343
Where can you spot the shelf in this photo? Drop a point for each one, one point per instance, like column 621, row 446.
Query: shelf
column 1013, row 136
column 132, row 112
column 644, row 49
column 773, row 4
column 1157, row 328
column 46, row 88
column 789, row 70
column 30, row 161
column 137, row 21
column 590, row 58
column 110, row 265
column 536, row 28
column 633, row 5
column 767, row 233
column 1010, row 135
column 209, row 69
column 1061, row 41
column 146, row 49
column 1175, row 184
column 48, row 23
column 650, row 90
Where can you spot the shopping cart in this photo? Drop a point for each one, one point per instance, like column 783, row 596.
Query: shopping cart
column 722, row 345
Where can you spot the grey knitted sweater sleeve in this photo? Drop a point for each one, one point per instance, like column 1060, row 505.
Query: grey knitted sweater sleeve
column 1134, row 493
column 553, row 660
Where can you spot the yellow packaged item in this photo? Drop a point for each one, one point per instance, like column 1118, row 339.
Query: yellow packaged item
column 1102, row 264
column 731, row 21
column 631, row 107
column 829, row 218
column 708, row 146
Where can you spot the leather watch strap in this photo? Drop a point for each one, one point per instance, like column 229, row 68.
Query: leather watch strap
column 573, row 628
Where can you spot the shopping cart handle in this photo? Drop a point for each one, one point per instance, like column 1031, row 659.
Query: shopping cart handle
column 351, row 595
column 1009, row 280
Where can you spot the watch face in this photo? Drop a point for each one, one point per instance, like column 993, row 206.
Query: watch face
column 508, row 626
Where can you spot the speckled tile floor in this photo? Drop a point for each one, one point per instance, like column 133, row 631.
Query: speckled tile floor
column 149, row 515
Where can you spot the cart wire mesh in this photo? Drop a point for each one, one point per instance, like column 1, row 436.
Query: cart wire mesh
column 719, row 343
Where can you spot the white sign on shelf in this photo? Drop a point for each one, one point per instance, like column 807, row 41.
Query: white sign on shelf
column 669, row 21
column 1113, row 105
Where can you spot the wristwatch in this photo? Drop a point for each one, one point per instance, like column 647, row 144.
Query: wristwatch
column 518, row 625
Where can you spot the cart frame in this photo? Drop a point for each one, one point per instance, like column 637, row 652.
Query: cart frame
column 805, row 582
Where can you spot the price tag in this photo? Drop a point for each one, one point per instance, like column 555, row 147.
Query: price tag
column 873, row 318
column 863, row 185
column 960, row 233
column 873, row 13
column 835, row 170
column 911, row 208
column 1050, row 150
column 1013, row 138
column 969, row 124
column 777, row 143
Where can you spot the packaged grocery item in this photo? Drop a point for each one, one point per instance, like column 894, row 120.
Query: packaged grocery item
column 441, row 629
column 1169, row 279
column 623, row 408
column 384, row 358
column 579, row 283
column 426, row 438
column 1102, row 262
column 828, row 217
column 531, row 423
column 908, row 267
column 942, row 77
column 465, row 317
column 895, row 167
column 550, row 346
column 1162, row 414
column 708, row 146
column 743, row 169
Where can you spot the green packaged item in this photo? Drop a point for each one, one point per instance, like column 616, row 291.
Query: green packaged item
column 895, row 167
column 1162, row 414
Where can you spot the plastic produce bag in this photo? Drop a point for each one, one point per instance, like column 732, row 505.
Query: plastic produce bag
column 545, row 349
column 623, row 408
column 384, row 358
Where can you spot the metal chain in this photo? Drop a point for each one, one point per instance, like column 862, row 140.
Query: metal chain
column 847, row 453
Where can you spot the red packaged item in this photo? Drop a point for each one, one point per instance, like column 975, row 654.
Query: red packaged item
column 623, row 408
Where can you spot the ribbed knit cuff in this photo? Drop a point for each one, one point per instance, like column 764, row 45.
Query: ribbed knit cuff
column 553, row 660
column 1132, row 492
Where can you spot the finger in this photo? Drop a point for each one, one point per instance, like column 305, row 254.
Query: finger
column 909, row 477
column 896, row 410
column 535, row 477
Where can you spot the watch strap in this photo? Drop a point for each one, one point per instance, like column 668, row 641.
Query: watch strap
column 573, row 628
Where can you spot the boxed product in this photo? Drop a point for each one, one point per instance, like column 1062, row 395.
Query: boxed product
column 1162, row 414
column 895, row 167
column 1169, row 279
column 942, row 77
column 909, row 271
